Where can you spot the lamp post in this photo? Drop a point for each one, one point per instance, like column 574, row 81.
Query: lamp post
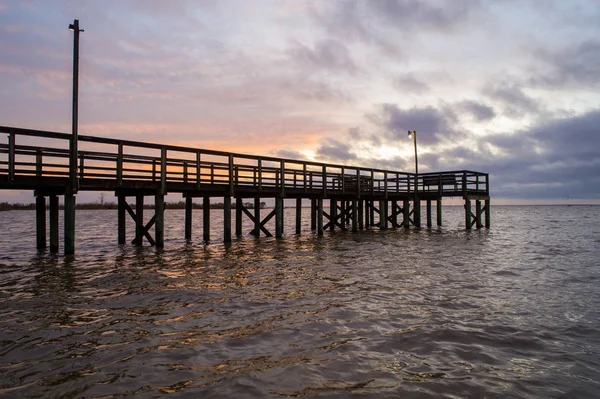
column 69, row 212
column 73, row 143
column 413, row 135
column 417, row 203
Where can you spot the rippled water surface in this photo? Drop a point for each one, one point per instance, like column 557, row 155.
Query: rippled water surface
column 512, row 311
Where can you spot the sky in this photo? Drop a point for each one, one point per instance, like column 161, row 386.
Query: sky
column 506, row 87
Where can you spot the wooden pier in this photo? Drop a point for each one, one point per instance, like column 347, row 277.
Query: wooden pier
column 51, row 164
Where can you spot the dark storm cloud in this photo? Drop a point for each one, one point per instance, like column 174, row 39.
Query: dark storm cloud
column 432, row 125
column 410, row 83
column 289, row 154
column 576, row 65
column 335, row 151
column 515, row 102
column 556, row 159
column 481, row 112
column 410, row 14
column 329, row 55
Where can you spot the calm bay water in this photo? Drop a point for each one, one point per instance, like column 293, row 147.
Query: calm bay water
column 508, row 312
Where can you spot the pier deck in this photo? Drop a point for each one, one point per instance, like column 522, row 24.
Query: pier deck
column 51, row 164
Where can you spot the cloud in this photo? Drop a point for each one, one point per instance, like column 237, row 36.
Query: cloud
column 511, row 96
column 327, row 55
column 575, row 65
column 480, row 112
column 409, row 83
column 432, row 125
column 335, row 151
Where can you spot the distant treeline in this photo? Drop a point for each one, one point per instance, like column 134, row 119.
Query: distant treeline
column 5, row 206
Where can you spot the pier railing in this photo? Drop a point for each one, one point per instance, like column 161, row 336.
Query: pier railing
column 32, row 157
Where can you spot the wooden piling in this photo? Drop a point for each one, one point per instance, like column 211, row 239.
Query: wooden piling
column 487, row 214
column 439, row 212
column 159, row 222
column 227, row 219
column 343, row 214
column 298, row 215
column 332, row 214
column 354, row 216
column 278, row 217
column 382, row 215
column 139, row 219
column 313, row 214
column 468, row 213
column 69, row 223
column 372, row 214
column 359, row 215
column 238, row 216
column 406, row 213
column 320, row 216
column 417, row 212
column 257, row 217
column 40, row 221
column 53, row 223
column 478, row 223
column 188, row 218
column 428, row 213
column 206, row 218
column 121, row 226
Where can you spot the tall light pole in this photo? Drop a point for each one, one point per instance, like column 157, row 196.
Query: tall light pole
column 69, row 213
column 73, row 144
column 413, row 135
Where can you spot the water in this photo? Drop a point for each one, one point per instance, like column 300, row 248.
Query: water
column 506, row 312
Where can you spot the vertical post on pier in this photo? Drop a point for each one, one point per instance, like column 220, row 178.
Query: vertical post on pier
column 343, row 209
column 53, row 223
column 487, row 214
column 478, row 223
column 417, row 212
column 40, row 221
column 468, row 213
column 139, row 219
column 382, row 214
column 332, row 213
column 439, row 212
column 238, row 216
column 298, row 215
column 372, row 214
column 69, row 224
column 227, row 219
column 121, row 218
column 320, row 216
column 359, row 215
column 313, row 214
column 428, row 213
column 406, row 213
column 278, row 217
column 354, row 216
column 366, row 214
column 188, row 218
column 206, row 218
column 256, row 217
column 394, row 215
column 159, row 222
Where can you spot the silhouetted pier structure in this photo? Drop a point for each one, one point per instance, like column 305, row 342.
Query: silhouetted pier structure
column 52, row 164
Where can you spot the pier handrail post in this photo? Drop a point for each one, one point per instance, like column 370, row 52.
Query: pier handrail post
column 198, row 168
column 282, row 167
column 38, row 163
column 324, row 181
column 120, row 164
column 231, row 176
column 464, row 183
column 259, row 173
column 163, row 170
column 372, row 182
column 11, row 156
column 358, row 182
column 487, row 184
column 304, row 175
column 385, row 193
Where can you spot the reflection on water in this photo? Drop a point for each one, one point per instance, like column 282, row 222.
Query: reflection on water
column 506, row 312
